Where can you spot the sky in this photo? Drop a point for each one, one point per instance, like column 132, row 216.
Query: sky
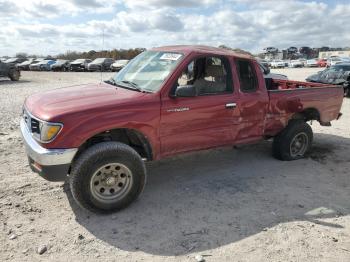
column 49, row 27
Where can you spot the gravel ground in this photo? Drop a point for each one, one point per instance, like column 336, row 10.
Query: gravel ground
column 225, row 205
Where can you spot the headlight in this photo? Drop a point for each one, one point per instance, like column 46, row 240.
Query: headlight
column 48, row 131
column 42, row 131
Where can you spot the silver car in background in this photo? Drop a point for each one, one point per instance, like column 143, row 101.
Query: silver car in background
column 119, row 64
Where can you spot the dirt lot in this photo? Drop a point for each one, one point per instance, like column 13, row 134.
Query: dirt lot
column 226, row 205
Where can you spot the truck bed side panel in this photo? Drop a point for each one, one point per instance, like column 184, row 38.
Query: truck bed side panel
column 286, row 103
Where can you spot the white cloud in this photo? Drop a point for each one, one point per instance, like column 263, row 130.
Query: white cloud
column 149, row 23
column 163, row 20
column 154, row 4
column 48, row 8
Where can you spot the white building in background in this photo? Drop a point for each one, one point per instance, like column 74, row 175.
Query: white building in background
column 334, row 53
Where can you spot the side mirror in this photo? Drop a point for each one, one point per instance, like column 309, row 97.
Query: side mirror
column 185, row 91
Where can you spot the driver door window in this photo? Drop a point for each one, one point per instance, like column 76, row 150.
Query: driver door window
column 209, row 75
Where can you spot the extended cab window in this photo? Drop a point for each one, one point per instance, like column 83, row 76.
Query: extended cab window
column 209, row 75
column 247, row 76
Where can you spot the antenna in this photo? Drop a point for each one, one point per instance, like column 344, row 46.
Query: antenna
column 103, row 43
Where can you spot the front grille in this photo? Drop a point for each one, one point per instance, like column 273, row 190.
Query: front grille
column 35, row 126
column 32, row 124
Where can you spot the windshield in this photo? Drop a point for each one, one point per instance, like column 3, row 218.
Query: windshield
column 149, row 69
column 27, row 62
column 61, row 61
column 44, row 62
column 79, row 61
column 98, row 60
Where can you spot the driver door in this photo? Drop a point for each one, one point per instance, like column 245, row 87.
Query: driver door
column 205, row 120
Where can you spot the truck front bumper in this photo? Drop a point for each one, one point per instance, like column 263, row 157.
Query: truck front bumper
column 51, row 164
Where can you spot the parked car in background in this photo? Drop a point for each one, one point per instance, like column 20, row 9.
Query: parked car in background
column 263, row 62
column 118, row 65
column 60, row 65
column 338, row 74
column 311, row 63
column 101, row 64
column 337, row 60
column 25, row 65
column 15, row 60
column 303, row 61
column 44, row 65
column 322, row 62
column 270, row 49
column 80, row 64
column 268, row 75
column 277, row 64
column 333, row 61
column 295, row 63
column 9, row 70
column 292, row 50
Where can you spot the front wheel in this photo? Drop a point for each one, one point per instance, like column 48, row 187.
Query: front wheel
column 14, row 75
column 107, row 177
column 293, row 142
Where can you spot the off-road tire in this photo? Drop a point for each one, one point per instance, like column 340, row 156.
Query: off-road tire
column 94, row 158
column 281, row 147
column 14, row 75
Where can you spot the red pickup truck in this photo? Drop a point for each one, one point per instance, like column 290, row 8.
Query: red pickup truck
column 166, row 101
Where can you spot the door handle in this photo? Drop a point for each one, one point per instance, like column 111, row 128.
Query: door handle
column 231, row 105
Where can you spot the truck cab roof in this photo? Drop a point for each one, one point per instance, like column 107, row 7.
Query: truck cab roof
column 187, row 49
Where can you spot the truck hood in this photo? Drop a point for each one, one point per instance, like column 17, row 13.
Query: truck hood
column 55, row 103
column 77, row 63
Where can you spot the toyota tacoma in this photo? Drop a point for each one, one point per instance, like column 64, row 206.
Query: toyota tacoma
column 166, row 101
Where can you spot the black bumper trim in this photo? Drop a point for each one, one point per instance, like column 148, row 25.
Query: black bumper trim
column 54, row 173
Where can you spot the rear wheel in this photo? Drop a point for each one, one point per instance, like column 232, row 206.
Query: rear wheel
column 293, row 142
column 107, row 177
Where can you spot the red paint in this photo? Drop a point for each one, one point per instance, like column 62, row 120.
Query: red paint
column 90, row 109
column 322, row 62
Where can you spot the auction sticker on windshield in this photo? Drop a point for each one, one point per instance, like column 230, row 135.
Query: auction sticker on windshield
column 170, row 56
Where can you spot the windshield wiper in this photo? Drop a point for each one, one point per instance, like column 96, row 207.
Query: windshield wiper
column 129, row 85
column 111, row 81
column 133, row 85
